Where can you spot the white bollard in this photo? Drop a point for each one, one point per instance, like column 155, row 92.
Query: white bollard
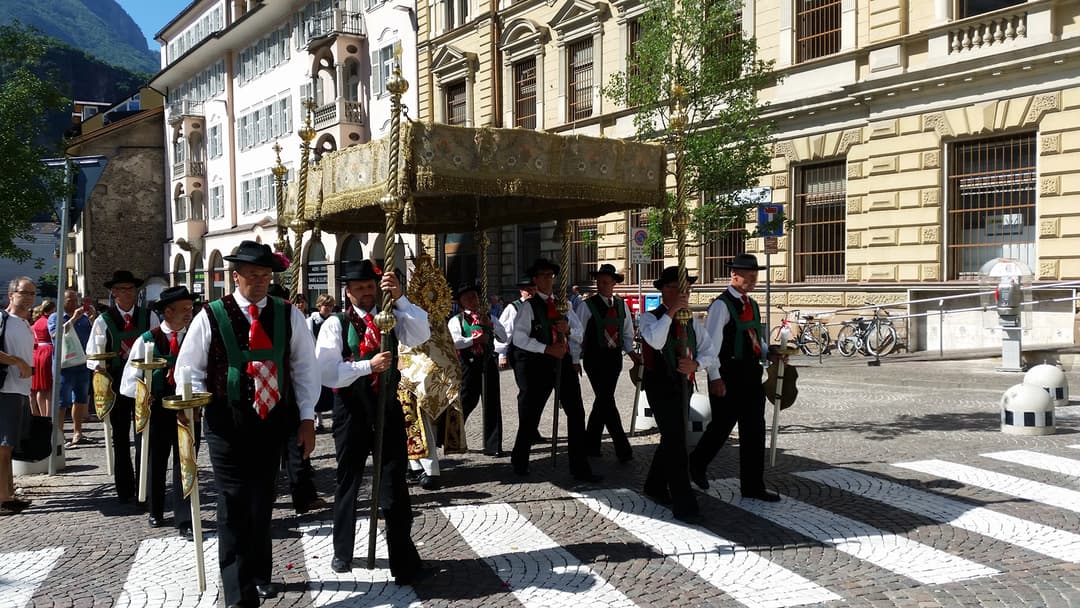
column 644, row 420
column 1051, row 379
column 1026, row 410
column 700, row 417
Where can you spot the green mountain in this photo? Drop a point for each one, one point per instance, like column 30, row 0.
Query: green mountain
column 101, row 28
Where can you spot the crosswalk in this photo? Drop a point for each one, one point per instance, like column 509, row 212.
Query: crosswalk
column 522, row 551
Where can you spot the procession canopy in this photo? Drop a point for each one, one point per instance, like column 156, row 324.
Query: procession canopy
column 504, row 176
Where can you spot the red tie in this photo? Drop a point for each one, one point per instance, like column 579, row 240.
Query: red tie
column 747, row 314
column 611, row 328
column 372, row 343
column 474, row 320
column 174, row 349
column 125, row 345
column 553, row 314
column 264, row 373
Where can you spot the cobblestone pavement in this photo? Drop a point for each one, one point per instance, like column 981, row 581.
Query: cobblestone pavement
column 899, row 490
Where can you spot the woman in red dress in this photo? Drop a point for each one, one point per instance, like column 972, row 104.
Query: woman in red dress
column 42, row 381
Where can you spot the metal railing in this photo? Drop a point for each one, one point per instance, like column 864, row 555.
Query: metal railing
column 185, row 107
column 336, row 21
column 338, row 111
column 189, row 168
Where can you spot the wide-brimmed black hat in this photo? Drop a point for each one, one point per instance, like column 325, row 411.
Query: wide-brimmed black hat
column 671, row 273
column 745, row 261
column 607, row 269
column 363, row 270
column 278, row 291
column 525, row 282
column 174, row 294
column 541, row 264
column 465, row 288
column 122, row 276
column 256, row 254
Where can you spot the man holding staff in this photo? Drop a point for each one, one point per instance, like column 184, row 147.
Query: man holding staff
column 163, row 342
column 351, row 359
column 547, row 344
column 473, row 335
column 256, row 357
column 115, row 331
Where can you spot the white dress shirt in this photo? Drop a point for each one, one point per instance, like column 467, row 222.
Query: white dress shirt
column 18, row 342
column 461, row 342
column 506, row 319
column 717, row 317
column 303, row 372
column 523, row 327
column 412, row 329
column 99, row 329
column 585, row 313
column 138, row 351
column 655, row 332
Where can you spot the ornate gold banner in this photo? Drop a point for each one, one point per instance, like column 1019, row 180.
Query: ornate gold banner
column 188, row 467
column 143, row 400
column 104, row 397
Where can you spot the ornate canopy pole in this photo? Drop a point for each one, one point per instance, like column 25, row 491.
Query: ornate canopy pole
column 681, row 220
column 299, row 225
column 280, row 172
column 392, row 203
column 565, row 231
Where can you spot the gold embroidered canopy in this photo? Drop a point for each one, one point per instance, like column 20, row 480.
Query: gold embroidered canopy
column 452, row 175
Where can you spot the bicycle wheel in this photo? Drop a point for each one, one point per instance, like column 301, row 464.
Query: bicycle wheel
column 774, row 337
column 814, row 340
column 847, row 341
column 881, row 339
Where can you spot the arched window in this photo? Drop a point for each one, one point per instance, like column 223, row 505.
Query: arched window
column 315, row 272
column 217, row 276
column 198, row 276
column 179, row 271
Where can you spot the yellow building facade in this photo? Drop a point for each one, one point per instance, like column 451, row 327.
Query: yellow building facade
column 915, row 140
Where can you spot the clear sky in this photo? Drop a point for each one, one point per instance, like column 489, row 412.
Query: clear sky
column 152, row 15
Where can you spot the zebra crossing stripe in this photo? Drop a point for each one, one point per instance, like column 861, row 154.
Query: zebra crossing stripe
column 1027, row 489
column 164, row 574
column 21, row 573
column 536, row 569
column 895, row 553
column 744, row 575
column 1046, row 462
column 1006, row 528
column 358, row 586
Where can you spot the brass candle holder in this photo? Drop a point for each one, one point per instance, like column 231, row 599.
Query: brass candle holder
column 104, row 400
column 144, row 398
column 189, row 468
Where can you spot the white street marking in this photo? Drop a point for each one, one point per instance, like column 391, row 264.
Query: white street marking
column 538, row 571
column 22, row 572
column 1046, row 462
column 164, row 575
column 1006, row 528
column 744, row 575
column 883, row 549
column 1035, row 491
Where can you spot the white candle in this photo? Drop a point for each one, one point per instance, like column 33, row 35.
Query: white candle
column 148, row 352
column 99, row 340
column 183, row 378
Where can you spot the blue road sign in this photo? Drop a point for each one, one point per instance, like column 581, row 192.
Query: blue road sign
column 767, row 215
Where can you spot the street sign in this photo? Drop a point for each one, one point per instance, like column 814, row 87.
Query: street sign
column 753, row 196
column 638, row 255
column 767, row 216
column 772, row 245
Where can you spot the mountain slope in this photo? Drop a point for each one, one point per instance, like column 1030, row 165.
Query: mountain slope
column 99, row 27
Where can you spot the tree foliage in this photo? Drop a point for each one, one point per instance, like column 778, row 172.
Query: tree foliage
column 27, row 188
column 698, row 45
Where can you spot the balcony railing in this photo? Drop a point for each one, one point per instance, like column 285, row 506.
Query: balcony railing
column 336, row 21
column 330, row 114
column 185, row 107
column 194, row 168
column 995, row 29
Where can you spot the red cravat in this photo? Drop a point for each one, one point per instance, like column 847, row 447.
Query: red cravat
column 611, row 328
column 264, row 373
column 174, row 349
column 553, row 315
column 474, row 320
column 747, row 314
column 125, row 345
column 372, row 343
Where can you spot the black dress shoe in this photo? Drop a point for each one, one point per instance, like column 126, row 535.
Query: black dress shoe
column 588, row 477
column 413, row 476
column 765, row 495
column 417, row 575
column 341, row 565
column 625, row 458
column 155, row 522
column 269, row 590
column 186, row 533
column 698, row 476
column 687, row 516
column 430, row 482
column 660, row 497
column 315, row 504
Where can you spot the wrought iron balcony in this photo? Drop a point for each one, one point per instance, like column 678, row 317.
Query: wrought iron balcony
column 184, row 107
column 189, row 168
column 336, row 112
column 336, row 21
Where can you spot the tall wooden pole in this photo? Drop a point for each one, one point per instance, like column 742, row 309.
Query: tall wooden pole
column 306, row 133
column 681, row 222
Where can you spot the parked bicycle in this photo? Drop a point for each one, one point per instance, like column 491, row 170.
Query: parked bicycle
column 874, row 336
column 805, row 332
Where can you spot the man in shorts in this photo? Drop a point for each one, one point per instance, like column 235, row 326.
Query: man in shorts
column 16, row 353
column 74, row 380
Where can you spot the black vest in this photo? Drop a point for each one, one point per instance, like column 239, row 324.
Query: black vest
column 660, row 371
column 727, row 349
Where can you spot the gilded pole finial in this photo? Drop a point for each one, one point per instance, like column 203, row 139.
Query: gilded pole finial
column 280, row 172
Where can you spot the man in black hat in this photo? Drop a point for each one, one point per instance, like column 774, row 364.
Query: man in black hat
column 506, row 350
column 672, row 355
column 119, row 327
column 548, row 345
column 351, row 360
column 254, row 354
column 735, row 390
column 473, row 338
column 175, row 304
column 609, row 332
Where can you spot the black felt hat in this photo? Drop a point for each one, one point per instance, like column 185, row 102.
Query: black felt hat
column 670, row 274
column 745, row 261
column 174, row 294
column 542, row 264
column 607, row 269
column 465, row 288
column 277, row 291
column 363, row 270
column 525, row 283
column 122, row 276
column 257, row 254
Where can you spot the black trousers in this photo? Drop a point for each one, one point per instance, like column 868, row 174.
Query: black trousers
column 669, row 474
column 298, row 470
column 472, row 383
column 163, row 443
column 125, row 472
column 744, row 404
column 354, row 432
column 245, row 475
column 538, row 372
column 603, row 370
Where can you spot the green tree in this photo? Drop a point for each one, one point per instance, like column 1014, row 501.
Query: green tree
column 697, row 46
column 27, row 96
